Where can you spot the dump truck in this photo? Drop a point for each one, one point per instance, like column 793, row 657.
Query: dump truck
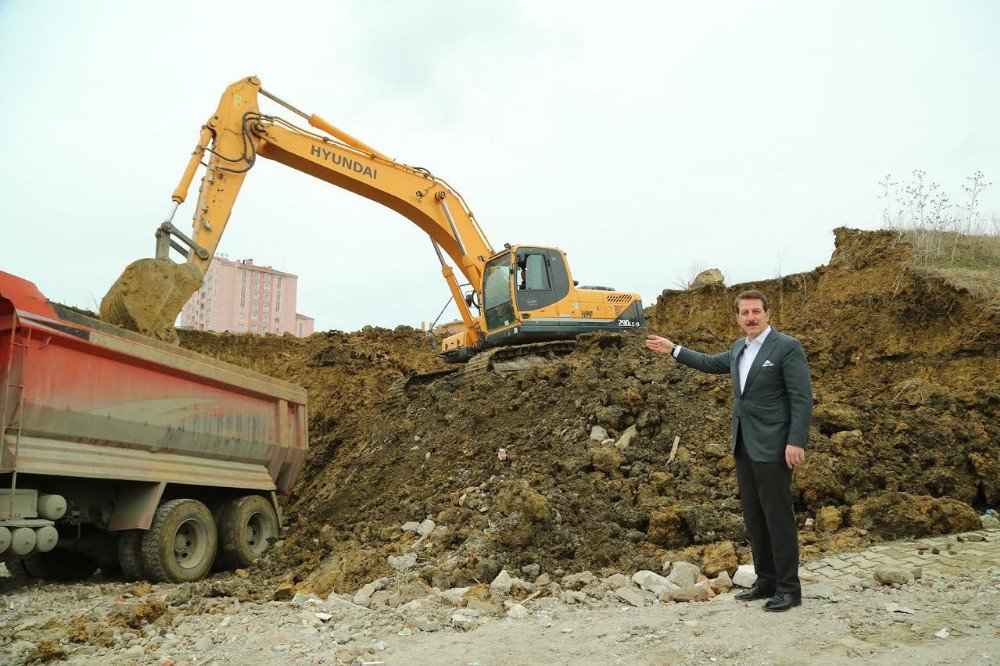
column 121, row 452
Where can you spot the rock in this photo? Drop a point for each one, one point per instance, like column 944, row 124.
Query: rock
column 893, row 607
column 465, row 619
column 573, row 597
column 342, row 635
column 652, row 582
column 482, row 606
column 403, row 562
column 745, row 576
column 828, row 519
column 719, row 557
column 204, row 644
column 892, row 576
column 708, row 278
column 578, row 581
column 425, row 624
column 918, row 572
column 323, row 617
column 989, row 522
column 455, row 596
column 411, row 526
column 501, row 584
column 975, row 537
column 942, row 633
column 598, row 433
column 518, row 612
column 626, row 438
column 531, row 570
column 632, row 596
column 301, row 598
column 819, row 591
column 696, row 592
column 363, row 596
column 336, row 600
column 283, row 592
column 722, row 582
column 426, row 527
column 616, row 581
column 683, row 574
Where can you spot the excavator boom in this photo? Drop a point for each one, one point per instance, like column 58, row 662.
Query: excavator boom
column 524, row 293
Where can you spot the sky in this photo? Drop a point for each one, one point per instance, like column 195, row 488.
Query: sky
column 645, row 139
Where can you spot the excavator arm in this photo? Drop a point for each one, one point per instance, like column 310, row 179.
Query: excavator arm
column 151, row 292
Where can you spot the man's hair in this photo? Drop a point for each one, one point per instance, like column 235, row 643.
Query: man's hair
column 751, row 295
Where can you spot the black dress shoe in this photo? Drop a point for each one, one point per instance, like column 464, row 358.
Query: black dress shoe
column 758, row 591
column 782, row 601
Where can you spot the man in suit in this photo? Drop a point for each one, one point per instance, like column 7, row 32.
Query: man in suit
column 772, row 407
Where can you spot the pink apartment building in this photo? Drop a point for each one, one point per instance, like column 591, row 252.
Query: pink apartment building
column 241, row 297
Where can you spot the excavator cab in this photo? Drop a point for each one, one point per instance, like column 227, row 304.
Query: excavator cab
column 529, row 296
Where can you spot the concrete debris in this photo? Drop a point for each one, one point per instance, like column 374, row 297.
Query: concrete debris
column 502, row 583
column 465, row 619
column 410, row 526
column 697, row 592
column 598, row 433
column 616, row 581
column 653, row 582
column 892, row 576
column 626, row 437
column 683, row 574
column 426, row 527
column 517, row 612
column 632, row 596
column 819, row 591
column 721, row 583
column 579, row 581
column 745, row 576
column 893, row 607
column 403, row 562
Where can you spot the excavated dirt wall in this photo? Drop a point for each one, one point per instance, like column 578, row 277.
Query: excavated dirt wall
column 904, row 438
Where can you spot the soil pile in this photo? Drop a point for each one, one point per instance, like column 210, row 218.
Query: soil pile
column 567, row 465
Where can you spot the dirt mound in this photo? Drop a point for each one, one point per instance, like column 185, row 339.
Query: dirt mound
column 566, row 465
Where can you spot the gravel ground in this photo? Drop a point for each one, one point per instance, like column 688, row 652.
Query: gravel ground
column 941, row 618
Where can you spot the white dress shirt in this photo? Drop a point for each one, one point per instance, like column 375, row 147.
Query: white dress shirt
column 749, row 354
column 750, row 350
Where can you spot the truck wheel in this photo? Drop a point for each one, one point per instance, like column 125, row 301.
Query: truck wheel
column 181, row 542
column 247, row 526
column 130, row 555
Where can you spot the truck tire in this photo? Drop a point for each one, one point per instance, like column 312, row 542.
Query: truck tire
column 130, row 555
column 248, row 524
column 180, row 545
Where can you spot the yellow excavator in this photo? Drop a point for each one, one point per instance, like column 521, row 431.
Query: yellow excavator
column 524, row 294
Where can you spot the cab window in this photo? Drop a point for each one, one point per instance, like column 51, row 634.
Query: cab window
column 497, row 305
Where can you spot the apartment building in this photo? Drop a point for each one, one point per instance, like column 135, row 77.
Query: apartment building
column 242, row 297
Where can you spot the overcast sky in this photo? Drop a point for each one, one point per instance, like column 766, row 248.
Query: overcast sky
column 641, row 138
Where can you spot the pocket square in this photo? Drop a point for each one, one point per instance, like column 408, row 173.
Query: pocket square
column 767, row 364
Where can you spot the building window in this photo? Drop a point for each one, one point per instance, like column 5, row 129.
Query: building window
column 255, row 296
column 253, row 317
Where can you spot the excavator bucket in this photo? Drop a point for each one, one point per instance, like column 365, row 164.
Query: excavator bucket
column 149, row 295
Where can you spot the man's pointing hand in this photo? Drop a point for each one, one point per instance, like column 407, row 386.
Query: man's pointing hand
column 659, row 345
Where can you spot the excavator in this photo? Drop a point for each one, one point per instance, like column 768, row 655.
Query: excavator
column 526, row 299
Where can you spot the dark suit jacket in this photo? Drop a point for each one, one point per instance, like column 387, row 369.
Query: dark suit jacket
column 775, row 407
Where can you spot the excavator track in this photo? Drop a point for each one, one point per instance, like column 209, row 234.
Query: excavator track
column 502, row 360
